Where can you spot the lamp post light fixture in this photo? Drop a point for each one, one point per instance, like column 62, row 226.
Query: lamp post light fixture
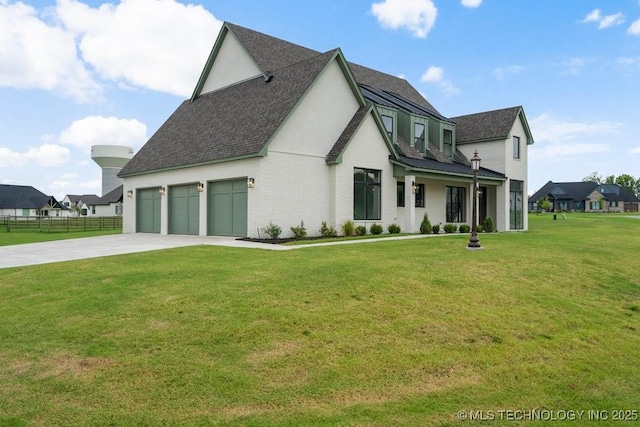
column 474, row 242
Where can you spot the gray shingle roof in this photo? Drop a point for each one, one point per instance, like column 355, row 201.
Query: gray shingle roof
column 271, row 53
column 487, row 125
column 232, row 122
column 23, row 197
column 347, row 134
column 577, row 191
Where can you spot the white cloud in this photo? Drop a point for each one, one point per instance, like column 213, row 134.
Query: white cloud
column 635, row 150
column 35, row 54
column 94, row 130
column 557, row 138
column 435, row 75
column 48, row 155
column 634, row 29
column 471, row 3
column 418, row 16
column 158, row 45
column 502, row 72
column 573, row 66
column 603, row 21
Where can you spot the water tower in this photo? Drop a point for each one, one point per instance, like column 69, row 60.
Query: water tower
column 111, row 158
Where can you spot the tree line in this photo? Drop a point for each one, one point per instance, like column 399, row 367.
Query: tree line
column 626, row 181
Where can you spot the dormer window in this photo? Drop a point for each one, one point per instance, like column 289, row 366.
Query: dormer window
column 447, row 142
column 418, row 137
column 387, row 121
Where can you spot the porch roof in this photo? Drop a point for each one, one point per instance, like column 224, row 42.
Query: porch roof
column 431, row 166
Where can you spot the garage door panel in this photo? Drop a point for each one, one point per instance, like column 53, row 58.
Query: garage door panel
column 184, row 209
column 228, row 208
column 148, row 211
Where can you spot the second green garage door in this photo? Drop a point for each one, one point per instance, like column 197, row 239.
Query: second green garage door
column 184, row 209
column 228, row 208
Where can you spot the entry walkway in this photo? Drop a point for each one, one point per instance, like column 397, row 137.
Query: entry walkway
column 118, row 244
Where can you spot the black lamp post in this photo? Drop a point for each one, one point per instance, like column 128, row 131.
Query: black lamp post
column 474, row 242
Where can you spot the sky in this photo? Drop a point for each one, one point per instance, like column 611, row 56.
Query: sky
column 79, row 73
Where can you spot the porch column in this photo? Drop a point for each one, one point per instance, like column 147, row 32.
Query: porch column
column 409, row 204
column 164, row 210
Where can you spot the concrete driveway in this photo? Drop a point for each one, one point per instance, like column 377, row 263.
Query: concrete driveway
column 115, row 244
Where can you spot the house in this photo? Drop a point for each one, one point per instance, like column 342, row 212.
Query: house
column 585, row 197
column 26, row 201
column 92, row 205
column 276, row 132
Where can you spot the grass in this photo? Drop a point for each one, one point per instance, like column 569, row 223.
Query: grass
column 19, row 237
column 387, row 333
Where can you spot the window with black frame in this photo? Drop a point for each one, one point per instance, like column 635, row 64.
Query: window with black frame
column 367, row 197
column 455, row 204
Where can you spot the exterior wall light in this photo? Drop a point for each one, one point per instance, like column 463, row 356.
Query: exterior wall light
column 413, row 187
column 251, row 182
column 130, row 193
column 162, row 191
column 474, row 242
column 200, row 187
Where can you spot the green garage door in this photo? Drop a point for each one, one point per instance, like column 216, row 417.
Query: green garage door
column 184, row 209
column 228, row 208
column 148, row 211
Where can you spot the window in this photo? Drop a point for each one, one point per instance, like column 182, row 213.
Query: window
column 83, row 212
column 116, row 206
column 387, row 121
column 400, row 192
column 93, row 210
column 418, row 137
column 367, row 200
column 455, row 204
column 447, row 142
column 516, row 147
column 594, row 206
column 516, row 205
column 25, row 212
column 419, row 195
column 613, row 204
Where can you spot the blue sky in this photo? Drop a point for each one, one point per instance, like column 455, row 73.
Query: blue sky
column 78, row 73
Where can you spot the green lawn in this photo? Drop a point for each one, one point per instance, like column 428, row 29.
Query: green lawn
column 18, row 237
column 386, row 333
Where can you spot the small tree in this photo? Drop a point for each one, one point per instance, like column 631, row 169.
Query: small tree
column 544, row 204
column 75, row 209
column 425, row 225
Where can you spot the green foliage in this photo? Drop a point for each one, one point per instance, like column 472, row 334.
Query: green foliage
column 393, row 228
column 435, row 229
column 425, row 225
column 348, row 228
column 361, row 230
column 450, row 228
column 545, row 204
column 327, row 231
column 375, row 229
column 272, row 230
column 488, row 225
column 479, row 228
column 299, row 232
column 465, row 228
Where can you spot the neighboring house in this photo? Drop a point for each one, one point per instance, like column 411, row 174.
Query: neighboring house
column 92, row 205
column 26, row 201
column 585, row 197
column 275, row 132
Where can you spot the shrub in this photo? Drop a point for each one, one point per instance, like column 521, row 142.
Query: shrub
column 375, row 229
column 464, row 228
column 326, row 231
column 272, row 230
column 479, row 228
column 348, row 228
column 299, row 232
column 393, row 228
column 435, row 229
column 488, row 226
column 361, row 230
column 450, row 228
column 425, row 225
